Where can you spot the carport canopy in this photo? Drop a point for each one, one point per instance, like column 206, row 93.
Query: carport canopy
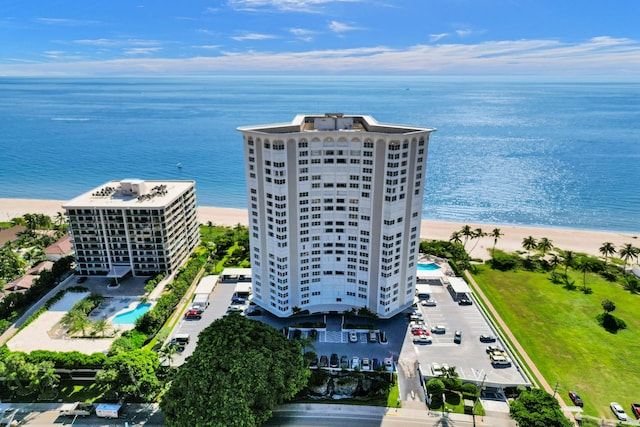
column 119, row 271
column 459, row 286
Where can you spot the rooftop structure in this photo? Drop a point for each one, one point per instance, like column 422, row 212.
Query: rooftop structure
column 335, row 205
column 134, row 226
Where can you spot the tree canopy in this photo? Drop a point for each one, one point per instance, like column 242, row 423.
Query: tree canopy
column 537, row 408
column 238, row 372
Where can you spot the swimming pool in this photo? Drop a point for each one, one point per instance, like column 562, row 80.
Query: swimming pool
column 130, row 317
column 428, row 267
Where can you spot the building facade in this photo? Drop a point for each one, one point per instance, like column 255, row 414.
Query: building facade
column 134, row 226
column 335, row 206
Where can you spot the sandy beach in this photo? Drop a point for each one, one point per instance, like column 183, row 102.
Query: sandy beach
column 576, row 240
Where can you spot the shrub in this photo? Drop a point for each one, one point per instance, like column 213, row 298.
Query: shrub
column 610, row 322
column 503, row 261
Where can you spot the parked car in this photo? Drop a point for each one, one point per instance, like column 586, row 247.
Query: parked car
column 464, row 301
column 388, row 363
column 493, row 348
column 575, row 398
column 353, row 337
column 422, row 339
column 618, row 411
column 436, row 369
column 487, row 338
column 334, row 361
column 193, row 314
column 254, row 312
column 81, row 279
column 324, row 362
column 344, row 362
column 419, row 331
column 375, row 363
column 635, row 409
column 457, row 337
column 429, row 303
column 373, row 336
column 355, row 362
column 366, row 365
column 438, row 329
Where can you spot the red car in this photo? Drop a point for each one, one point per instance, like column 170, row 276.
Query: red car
column 193, row 314
column 575, row 398
column 420, row 332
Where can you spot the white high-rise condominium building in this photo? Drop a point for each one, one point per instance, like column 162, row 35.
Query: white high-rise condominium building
column 335, row 206
column 134, row 226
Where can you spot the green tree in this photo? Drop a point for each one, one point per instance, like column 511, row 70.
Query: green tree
column 456, row 237
column 608, row 306
column 537, row 408
column 133, row 374
column 435, row 388
column 101, row 327
column 238, row 372
column 569, row 260
column 529, row 243
column 585, row 266
column 607, row 249
column 467, row 233
column 544, row 245
column 628, row 252
column 496, row 234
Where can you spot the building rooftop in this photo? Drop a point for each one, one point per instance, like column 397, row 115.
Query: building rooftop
column 333, row 122
column 131, row 193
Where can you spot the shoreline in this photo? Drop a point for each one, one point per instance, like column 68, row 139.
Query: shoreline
column 585, row 241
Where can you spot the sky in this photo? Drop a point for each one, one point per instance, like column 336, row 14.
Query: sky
column 376, row 37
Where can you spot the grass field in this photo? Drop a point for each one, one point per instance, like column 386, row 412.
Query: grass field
column 559, row 331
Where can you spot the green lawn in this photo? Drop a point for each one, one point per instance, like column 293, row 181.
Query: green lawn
column 558, row 329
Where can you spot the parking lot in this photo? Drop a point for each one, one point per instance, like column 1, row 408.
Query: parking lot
column 470, row 356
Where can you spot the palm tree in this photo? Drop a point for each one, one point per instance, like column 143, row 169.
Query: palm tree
column 167, row 353
column 456, row 237
column 585, row 266
column 496, row 234
column 569, row 258
column 544, row 245
column 468, row 233
column 60, row 218
column 628, row 252
column 555, row 261
column 477, row 234
column 47, row 379
column 529, row 243
column 102, row 327
column 607, row 249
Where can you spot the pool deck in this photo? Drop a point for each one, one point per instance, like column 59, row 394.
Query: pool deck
column 38, row 335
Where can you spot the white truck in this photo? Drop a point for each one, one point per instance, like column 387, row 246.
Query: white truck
column 200, row 302
column 76, row 409
column 108, row 410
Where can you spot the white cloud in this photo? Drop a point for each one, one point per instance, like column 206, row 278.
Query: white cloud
column 66, row 22
column 437, row 37
column 212, row 46
column 308, row 6
column 97, row 42
column 464, row 33
column 339, row 27
column 599, row 56
column 142, row 50
column 253, row 36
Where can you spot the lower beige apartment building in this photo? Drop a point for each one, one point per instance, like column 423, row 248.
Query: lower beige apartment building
column 134, row 227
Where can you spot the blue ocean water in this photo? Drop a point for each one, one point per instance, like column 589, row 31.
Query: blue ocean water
column 522, row 152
